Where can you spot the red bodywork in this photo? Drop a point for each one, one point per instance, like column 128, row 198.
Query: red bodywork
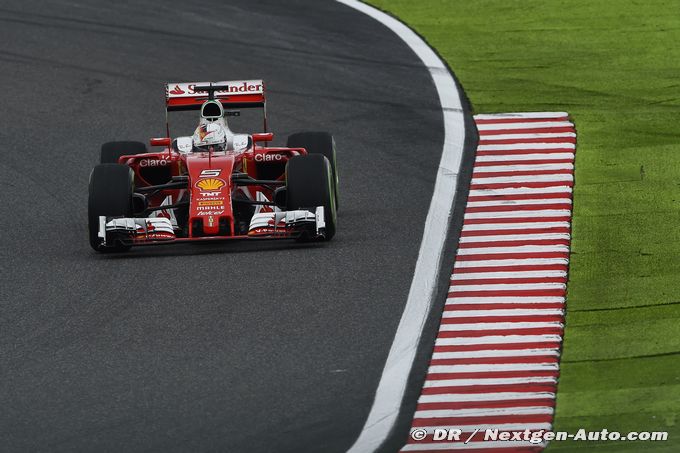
column 210, row 189
column 212, row 204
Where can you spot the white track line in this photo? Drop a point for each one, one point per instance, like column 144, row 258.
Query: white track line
column 535, row 147
column 392, row 385
column 494, row 353
column 480, row 326
column 500, row 396
column 509, row 262
column 485, row 313
column 515, row 115
column 513, row 249
column 491, row 339
column 515, row 237
column 518, row 203
column 528, row 156
column 515, row 226
column 533, row 191
column 523, row 178
column 498, row 426
column 524, row 136
column 529, row 125
column 513, row 214
column 484, row 412
column 508, row 300
column 489, row 381
column 504, row 286
column 524, row 237
column 523, row 167
column 508, row 274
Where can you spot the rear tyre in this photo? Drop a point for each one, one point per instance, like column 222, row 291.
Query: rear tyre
column 111, row 189
column 309, row 183
column 318, row 143
column 111, row 151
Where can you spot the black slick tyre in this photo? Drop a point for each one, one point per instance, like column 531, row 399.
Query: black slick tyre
column 309, row 183
column 110, row 195
column 318, row 143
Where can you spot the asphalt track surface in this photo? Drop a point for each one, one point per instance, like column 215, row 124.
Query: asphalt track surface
column 235, row 347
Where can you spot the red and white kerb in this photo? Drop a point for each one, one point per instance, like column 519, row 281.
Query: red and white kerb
column 496, row 358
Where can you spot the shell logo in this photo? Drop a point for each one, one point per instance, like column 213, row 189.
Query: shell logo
column 210, row 184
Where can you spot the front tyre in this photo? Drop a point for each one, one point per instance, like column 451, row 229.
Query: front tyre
column 110, row 195
column 310, row 183
column 318, row 143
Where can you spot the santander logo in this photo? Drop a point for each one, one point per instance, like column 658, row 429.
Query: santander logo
column 234, row 87
column 177, row 90
column 245, row 87
column 237, row 88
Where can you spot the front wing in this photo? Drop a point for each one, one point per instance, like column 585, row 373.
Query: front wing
column 159, row 230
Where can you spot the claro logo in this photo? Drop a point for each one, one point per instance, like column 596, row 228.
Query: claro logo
column 268, row 157
column 153, row 163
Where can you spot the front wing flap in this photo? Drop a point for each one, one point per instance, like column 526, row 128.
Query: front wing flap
column 282, row 223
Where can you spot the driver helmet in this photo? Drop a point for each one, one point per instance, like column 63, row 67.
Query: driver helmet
column 210, row 137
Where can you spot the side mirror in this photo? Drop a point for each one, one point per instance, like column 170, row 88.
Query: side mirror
column 160, row 141
column 264, row 137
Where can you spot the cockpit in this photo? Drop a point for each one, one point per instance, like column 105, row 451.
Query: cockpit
column 213, row 132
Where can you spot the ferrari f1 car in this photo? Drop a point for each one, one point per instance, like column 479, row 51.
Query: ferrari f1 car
column 215, row 184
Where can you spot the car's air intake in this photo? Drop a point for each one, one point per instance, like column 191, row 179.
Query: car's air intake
column 212, row 110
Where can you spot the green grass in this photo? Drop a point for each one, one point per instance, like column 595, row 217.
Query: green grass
column 615, row 66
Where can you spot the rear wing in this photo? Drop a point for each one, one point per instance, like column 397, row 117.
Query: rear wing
column 234, row 94
column 237, row 94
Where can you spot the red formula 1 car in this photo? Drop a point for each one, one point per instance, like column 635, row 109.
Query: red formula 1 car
column 215, row 184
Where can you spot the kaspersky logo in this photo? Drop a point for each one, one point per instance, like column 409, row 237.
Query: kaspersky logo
column 210, row 184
